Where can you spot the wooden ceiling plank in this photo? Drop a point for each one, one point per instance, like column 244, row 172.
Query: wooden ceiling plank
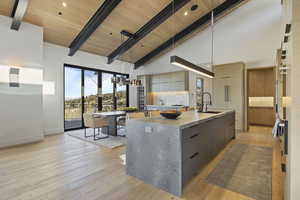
column 147, row 28
column 202, row 21
column 101, row 14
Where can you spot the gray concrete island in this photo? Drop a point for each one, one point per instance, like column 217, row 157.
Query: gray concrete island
column 168, row 153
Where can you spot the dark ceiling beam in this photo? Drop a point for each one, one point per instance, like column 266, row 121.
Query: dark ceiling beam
column 147, row 28
column 202, row 21
column 97, row 19
column 18, row 12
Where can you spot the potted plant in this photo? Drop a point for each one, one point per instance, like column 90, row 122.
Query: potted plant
column 128, row 109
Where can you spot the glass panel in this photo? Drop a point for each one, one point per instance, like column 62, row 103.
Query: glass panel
column 90, row 91
column 107, row 92
column 199, row 91
column 73, row 98
column 121, row 95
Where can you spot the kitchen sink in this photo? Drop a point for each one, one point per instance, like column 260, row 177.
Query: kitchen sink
column 211, row 112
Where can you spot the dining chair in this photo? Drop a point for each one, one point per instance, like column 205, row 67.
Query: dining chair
column 90, row 121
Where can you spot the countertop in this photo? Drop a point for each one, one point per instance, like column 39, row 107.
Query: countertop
column 164, row 107
column 187, row 119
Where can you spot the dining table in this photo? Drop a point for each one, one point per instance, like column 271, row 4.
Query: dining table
column 112, row 117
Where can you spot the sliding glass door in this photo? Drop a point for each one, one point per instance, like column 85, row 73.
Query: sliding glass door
column 88, row 91
column 108, row 92
column 73, row 98
column 121, row 94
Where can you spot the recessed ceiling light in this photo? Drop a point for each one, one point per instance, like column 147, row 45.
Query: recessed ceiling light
column 64, row 4
column 186, row 13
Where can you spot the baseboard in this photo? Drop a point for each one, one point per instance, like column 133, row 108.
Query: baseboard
column 53, row 131
column 21, row 141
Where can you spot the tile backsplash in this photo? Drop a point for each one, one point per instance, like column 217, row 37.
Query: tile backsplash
column 170, row 98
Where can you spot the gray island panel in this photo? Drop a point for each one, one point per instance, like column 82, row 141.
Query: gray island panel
column 153, row 155
column 168, row 153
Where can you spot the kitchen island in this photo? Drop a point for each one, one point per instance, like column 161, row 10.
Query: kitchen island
column 168, row 153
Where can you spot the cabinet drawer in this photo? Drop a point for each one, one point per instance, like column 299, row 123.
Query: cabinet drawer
column 191, row 132
column 191, row 166
column 190, row 146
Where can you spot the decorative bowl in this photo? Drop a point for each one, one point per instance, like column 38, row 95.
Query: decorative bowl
column 170, row 114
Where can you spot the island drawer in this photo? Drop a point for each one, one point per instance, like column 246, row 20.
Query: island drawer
column 191, row 132
column 202, row 142
column 191, row 166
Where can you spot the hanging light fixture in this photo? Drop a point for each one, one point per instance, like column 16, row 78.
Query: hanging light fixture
column 180, row 62
column 123, row 80
column 199, row 69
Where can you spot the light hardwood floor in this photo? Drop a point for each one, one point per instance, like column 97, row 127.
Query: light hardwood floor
column 65, row 168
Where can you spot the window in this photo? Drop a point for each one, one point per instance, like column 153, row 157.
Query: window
column 89, row 90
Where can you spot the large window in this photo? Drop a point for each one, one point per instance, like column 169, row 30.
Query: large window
column 121, row 95
column 73, row 100
column 89, row 90
column 108, row 92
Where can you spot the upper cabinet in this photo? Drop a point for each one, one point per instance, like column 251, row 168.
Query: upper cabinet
column 174, row 81
column 261, row 82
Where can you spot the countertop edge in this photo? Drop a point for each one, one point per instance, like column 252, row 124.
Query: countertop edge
column 192, row 123
column 215, row 116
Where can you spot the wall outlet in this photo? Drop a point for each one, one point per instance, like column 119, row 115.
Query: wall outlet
column 148, row 129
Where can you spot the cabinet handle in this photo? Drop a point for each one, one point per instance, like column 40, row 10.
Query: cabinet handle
column 194, row 155
column 193, row 136
column 226, row 88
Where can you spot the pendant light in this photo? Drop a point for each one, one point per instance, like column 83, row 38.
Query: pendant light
column 123, row 80
column 199, row 69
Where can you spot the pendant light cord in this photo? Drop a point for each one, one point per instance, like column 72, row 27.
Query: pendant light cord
column 212, row 39
column 173, row 24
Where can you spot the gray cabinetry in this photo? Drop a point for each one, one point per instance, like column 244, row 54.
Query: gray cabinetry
column 174, row 81
column 202, row 142
column 195, row 149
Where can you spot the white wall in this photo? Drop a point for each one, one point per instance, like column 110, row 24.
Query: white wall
column 23, row 47
column 21, row 110
column 251, row 34
column 54, row 59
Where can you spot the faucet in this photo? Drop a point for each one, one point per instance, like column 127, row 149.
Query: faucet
column 161, row 102
column 204, row 109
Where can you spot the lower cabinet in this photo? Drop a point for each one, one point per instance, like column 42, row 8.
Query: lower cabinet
column 202, row 142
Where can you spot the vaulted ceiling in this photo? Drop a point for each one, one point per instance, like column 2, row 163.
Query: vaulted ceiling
column 62, row 24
